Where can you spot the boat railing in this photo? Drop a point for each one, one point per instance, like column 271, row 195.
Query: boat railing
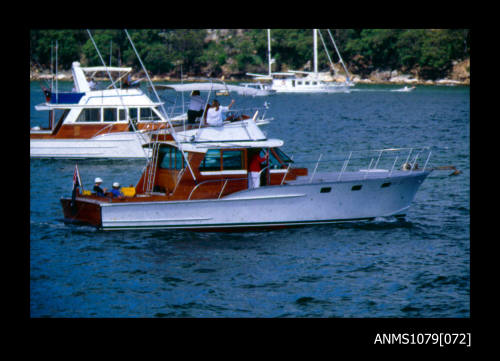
column 368, row 161
column 108, row 127
column 224, row 180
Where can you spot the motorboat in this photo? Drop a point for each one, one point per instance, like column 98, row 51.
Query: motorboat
column 405, row 89
column 200, row 181
column 96, row 123
column 115, row 122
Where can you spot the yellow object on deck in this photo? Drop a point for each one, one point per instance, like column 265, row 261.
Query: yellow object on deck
column 86, row 193
column 128, row 191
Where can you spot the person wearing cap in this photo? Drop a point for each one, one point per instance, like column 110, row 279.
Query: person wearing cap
column 213, row 116
column 97, row 187
column 116, row 192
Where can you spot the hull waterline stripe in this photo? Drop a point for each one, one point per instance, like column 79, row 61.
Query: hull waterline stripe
column 238, row 225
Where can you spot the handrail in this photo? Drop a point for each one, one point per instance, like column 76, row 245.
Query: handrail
column 225, row 180
column 414, row 153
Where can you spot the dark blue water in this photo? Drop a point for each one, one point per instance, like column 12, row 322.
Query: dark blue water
column 418, row 267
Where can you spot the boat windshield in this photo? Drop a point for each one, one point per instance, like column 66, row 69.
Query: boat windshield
column 285, row 158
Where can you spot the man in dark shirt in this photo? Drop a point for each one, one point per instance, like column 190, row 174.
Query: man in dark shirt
column 97, row 187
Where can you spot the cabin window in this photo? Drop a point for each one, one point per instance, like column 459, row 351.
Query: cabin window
column 121, row 114
column 211, row 160
column 170, row 158
column 325, row 190
column 293, row 83
column 110, row 114
column 232, row 160
column 165, row 160
column 89, row 115
column 299, row 83
column 178, row 160
column 285, row 158
column 307, row 83
column 314, row 83
column 132, row 114
column 274, row 163
column 356, row 187
column 148, row 115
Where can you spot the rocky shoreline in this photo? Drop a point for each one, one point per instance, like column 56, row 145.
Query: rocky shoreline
column 459, row 75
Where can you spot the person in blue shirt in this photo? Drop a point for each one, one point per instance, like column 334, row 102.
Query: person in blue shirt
column 116, row 192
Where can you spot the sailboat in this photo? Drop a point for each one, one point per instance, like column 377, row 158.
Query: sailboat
column 289, row 82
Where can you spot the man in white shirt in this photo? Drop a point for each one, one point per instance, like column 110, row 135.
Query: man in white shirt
column 195, row 107
column 214, row 113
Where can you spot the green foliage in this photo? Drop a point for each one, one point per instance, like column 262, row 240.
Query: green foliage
column 430, row 52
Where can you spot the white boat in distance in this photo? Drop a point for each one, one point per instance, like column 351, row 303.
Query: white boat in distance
column 289, row 82
column 200, row 182
column 405, row 89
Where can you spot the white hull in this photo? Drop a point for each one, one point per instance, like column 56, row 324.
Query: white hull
column 112, row 145
column 279, row 87
column 296, row 203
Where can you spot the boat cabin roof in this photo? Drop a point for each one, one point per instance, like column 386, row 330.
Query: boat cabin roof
column 204, row 147
column 111, row 69
column 240, row 134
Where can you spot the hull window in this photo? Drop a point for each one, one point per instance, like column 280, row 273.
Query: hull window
column 325, row 190
column 356, row 188
column 384, row 185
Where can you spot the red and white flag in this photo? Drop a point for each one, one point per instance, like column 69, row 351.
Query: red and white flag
column 77, row 182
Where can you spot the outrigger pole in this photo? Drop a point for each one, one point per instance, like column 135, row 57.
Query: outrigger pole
column 174, row 135
column 114, row 86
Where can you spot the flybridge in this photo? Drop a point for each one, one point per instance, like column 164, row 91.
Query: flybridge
column 80, row 78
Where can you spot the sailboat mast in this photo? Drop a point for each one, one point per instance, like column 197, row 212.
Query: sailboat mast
column 315, row 37
column 269, row 49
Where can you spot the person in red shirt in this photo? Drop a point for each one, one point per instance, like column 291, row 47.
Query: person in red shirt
column 254, row 169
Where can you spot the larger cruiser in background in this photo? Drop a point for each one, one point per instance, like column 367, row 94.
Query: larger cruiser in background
column 87, row 123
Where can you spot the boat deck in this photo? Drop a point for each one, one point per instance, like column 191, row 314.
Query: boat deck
column 321, row 177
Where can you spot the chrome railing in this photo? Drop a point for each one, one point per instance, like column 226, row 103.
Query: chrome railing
column 225, row 180
column 374, row 161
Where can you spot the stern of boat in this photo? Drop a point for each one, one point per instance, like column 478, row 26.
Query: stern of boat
column 82, row 211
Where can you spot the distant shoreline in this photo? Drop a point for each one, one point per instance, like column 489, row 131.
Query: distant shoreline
column 397, row 80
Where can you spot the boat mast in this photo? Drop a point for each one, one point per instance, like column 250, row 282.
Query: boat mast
column 269, row 49
column 57, row 88
column 315, row 38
